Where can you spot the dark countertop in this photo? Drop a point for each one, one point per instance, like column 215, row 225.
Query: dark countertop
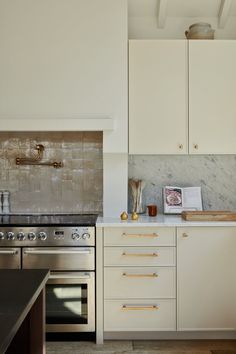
column 19, row 290
column 48, row 220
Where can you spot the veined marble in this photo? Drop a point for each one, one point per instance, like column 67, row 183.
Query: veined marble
column 216, row 174
column 158, row 221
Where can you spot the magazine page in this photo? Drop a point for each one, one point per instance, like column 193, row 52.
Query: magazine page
column 173, row 199
column 177, row 199
column 192, row 198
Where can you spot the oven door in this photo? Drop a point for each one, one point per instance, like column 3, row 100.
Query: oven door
column 70, row 302
column 10, row 258
column 59, row 258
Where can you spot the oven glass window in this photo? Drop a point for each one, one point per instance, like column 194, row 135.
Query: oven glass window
column 67, row 304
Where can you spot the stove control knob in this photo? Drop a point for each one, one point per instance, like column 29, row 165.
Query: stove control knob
column 21, row 236
column 31, row 236
column 86, row 236
column 76, row 236
column 42, row 236
column 10, row 235
column 1, row 235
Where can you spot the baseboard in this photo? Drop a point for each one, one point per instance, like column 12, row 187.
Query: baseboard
column 169, row 335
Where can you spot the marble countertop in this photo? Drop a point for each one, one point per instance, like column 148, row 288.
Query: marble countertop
column 159, row 220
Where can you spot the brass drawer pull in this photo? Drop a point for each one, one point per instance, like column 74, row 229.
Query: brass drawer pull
column 153, row 235
column 135, row 308
column 139, row 254
column 151, row 275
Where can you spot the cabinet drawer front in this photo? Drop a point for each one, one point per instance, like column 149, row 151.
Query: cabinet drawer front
column 139, row 256
column 139, row 236
column 10, row 258
column 136, row 283
column 139, row 315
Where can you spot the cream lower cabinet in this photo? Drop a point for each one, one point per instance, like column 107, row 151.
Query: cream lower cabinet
column 139, row 279
column 206, row 286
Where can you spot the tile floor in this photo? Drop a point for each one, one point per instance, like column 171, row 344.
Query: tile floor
column 144, row 347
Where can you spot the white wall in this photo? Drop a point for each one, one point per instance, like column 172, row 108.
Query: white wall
column 115, row 184
column 63, row 60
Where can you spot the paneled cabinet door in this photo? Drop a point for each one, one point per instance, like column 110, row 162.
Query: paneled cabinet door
column 212, row 104
column 206, row 283
column 158, row 97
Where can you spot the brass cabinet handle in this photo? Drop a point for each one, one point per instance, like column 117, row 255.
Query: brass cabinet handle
column 135, row 308
column 139, row 254
column 195, row 146
column 184, row 234
column 151, row 275
column 154, row 234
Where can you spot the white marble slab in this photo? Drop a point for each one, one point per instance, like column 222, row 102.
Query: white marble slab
column 215, row 174
column 159, row 220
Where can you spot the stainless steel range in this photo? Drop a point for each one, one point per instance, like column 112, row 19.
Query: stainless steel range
column 65, row 244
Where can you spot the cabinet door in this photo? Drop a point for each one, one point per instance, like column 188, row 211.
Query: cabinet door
column 135, row 315
column 139, row 236
column 212, row 105
column 157, row 97
column 206, row 283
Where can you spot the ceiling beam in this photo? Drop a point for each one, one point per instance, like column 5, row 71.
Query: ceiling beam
column 161, row 13
column 224, row 12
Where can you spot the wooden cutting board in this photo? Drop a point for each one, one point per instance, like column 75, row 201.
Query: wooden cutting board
column 209, row 215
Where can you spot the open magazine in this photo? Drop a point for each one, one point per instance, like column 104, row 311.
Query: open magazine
column 177, row 199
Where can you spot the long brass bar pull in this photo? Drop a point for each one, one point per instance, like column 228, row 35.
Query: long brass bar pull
column 151, row 275
column 137, row 308
column 153, row 235
column 139, row 254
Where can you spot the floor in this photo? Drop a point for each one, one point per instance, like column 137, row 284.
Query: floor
column 144, row 347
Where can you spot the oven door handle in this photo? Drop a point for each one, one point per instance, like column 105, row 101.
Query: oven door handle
column 10, row 252
column 48, row 252
column 69, row 275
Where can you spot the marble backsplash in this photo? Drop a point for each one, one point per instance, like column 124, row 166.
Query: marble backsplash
column 216, row 174
column 77, row 187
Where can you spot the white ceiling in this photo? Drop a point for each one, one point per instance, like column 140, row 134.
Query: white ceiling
column 180, row 8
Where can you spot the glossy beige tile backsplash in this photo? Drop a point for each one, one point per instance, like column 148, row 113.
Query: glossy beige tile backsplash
column 77, row 187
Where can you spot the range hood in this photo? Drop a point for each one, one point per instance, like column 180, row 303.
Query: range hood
column 56, row 123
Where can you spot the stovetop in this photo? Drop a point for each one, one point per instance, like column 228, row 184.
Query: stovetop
column 49, row 220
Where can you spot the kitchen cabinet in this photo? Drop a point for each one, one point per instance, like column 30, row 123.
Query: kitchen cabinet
column 212, row 106
column 151, row 315
column 206, row 286
column 182, row 97
column 158, row 111
column 139, row 279
column 191, row 294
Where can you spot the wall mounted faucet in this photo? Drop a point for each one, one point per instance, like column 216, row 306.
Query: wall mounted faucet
column 37, row 159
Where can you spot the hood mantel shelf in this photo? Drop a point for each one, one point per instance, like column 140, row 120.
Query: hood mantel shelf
column 56, row 123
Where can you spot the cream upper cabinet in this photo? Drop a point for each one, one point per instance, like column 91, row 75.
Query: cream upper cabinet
column 182, row 97
column 158, row 97
column 206, row 285
column 212, row 104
